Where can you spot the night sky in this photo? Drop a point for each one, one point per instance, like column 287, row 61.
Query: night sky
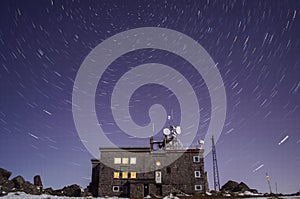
column 256, row 48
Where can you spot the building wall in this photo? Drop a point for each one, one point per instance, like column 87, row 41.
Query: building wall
column 178, row 176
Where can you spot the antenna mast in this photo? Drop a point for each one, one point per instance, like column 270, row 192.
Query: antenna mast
column 215, row 166
column 268, row 180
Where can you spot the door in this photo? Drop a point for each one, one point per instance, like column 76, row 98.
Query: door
column 146, row 190
column 158, row 189
column 126, row 190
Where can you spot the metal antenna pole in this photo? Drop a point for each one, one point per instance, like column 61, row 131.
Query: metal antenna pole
column 268, row 180
column 215, row 166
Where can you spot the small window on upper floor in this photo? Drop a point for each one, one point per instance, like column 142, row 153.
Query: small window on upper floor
column 197, row 174
column 117, row 160
column 196, row 159
column 133, row 160
column 125, row 160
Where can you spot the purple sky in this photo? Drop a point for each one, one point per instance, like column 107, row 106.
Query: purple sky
column 255, row 44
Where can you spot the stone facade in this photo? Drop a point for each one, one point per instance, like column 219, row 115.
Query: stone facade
column 126, row 176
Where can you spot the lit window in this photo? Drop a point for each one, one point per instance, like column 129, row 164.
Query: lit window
column 125, row 160
column 132, row 174
column 117, row 161
column 196, row 159
column 116, row 189
column 132, row 160
column 116, row 174
column 125, row 175
column 197, row 174
column 198, row 187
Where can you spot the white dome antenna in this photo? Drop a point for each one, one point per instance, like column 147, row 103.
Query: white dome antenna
column 166, row 131
column 178, row 130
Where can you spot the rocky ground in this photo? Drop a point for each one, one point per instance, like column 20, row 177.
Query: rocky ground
column 19, row 184
column 18, row 187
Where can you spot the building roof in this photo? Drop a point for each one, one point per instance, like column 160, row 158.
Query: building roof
column 147, row 149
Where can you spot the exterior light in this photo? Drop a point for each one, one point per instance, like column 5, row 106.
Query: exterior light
column 157, row 163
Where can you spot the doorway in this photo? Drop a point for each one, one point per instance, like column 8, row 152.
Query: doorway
column 146, row 190
column 126, row 190
column 158, row 189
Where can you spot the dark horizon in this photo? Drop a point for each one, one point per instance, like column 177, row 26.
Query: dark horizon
column 255, row 45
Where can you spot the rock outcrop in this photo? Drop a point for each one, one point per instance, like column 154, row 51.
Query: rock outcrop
column 233, row 187
column 5, row 184
column 37, row 181
column 16, row 184
column 72, row 190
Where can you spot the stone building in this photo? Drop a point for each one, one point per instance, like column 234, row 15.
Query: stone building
column 167, row 171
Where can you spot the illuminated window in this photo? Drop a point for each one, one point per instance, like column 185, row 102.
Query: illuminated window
column 197, row 174
column 125, row 160
column 125, row 175
column 116, row 174
column 116, row 189
column 198, row 187
column 132, row 174
column 132, row 160
column 117, row 161
column 196, row 159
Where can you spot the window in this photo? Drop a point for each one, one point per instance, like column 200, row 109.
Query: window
column 117, row 161
column 116, row 174
column 125, row 160
column 132, row 174
column 197, row 174
column 132, row 160
column 116, row 189
column 125, row 175
column 168, row 170
column 198, row 187
column 196, row 159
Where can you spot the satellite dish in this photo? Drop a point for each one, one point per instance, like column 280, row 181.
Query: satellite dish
column 178, row 130
column 201, row 142
column 166, row 131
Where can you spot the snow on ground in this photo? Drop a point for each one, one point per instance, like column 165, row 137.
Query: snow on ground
column 21, row 195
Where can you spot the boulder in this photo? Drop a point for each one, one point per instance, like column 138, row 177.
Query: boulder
column 57, row 192
column 232, row 186
column 86, row 193
column 253, row 191
column 229, row 186
column 52, row 192
column 4, row 173
column 29, row 188
column 72, row 191
column 6, row 187
column 48, row 191
column 37, row 181
column 18, row 182
column 242, row 187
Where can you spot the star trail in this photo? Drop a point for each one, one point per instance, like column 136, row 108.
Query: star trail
column 255, row 45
